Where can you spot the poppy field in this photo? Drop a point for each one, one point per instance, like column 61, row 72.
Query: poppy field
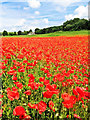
column 44, row 78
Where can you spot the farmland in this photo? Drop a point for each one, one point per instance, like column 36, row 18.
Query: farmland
column 45, row 77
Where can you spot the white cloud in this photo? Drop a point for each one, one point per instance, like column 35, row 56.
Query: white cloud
column 34, row 3
column 13, row 29
column 35, row 22
column 37, row 12
column 60, row 9
column 39, row 22
column 80, row 12
column 42, row 23
column 26, row 8
column 61, row 5
column 21, row 22
column 3, row 1
column 45, row 20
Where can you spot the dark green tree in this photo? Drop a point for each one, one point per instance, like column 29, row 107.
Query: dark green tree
column 19, row 32
column 30, row 31
column 11, row 33
column 14, row 33
column 36, row 30
column 70, row 25
column 5, row 33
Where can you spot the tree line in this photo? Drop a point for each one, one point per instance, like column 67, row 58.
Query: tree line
column 70, row 25
column 5, row 33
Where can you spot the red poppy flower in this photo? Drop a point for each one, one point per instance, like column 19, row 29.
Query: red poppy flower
column 21, row 69
column 34, row 85
column 8, row 56
column 18, row 84
column 48, row 94
column 67, row 116
column 41, row 107
column 0, row 102
column 80, row 91
column 31, row 76
column 19, row 110
column 14, row 78
column 11, row 72
column 68, row 100
column 75, row 92
column 31, row 80
column 24, row 117
column 28, row 92
column 13, row 95
column 33, row 106
column 46, row 82
column 1, row 111
column 76, row 116
column 1, row 96
column 51, row 89
column 14, row 89
column 8, row 89
column 51, row 105
column 41, row 79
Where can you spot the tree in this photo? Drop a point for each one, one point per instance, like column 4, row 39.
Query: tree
column 14, row 33
column 70, row 25
column 75, row 24
column 11, row 33
column 89, row 24
column 36, row 30
column 47, row 30
column 0, row 34
column 5, row 33
column 25, row 32
column 19, row 32
column 30, row 31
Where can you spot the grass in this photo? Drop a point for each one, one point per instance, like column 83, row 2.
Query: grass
column 59, row 33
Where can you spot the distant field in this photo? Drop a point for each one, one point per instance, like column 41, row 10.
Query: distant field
column 59, row 33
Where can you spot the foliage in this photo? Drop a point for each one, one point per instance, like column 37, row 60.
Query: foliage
column 19, row 32
column 0, row 34
column 24, row 32
column 5, row 33
column 30, row 31
column 12, row 33
column 58, row 33
column 70, row 25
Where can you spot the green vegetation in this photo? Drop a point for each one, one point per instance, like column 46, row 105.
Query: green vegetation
column 24, row 32
column 5, row 33
column 72, row 25
column 59, row 33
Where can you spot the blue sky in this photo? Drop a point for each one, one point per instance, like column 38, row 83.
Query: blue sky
column 31, row 14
